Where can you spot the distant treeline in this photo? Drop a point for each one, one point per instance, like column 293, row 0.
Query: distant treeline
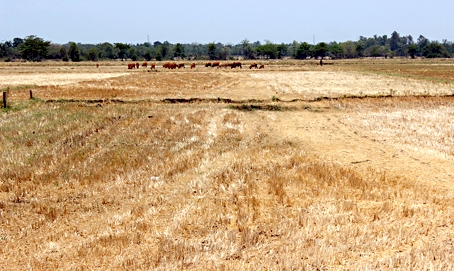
column 33, row 48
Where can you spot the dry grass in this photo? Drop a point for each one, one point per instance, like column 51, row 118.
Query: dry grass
column 203, row 186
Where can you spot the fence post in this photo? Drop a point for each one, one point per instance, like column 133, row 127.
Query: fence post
column 4, row 99
column 31, row 95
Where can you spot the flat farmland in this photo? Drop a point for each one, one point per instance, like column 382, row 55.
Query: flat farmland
column 345, row 166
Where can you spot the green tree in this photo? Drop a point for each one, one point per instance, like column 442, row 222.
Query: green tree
column 336, row 50
column 132, row 54
column 375, row 51
column 435, row 50
column 304, row 51
column 360, row 49
column 320, row 49
column 212, row 50
column 93, row 54
column 248, row 51
column 107, row 50
column 74, row 52
column 147, row 56
column 282, row 50
column 268, row 50
column 179, row 51
column 412, row 50
column 34, row 48
column 394, row 43
column 17, row 42
column 224, row 53
column 122, row 49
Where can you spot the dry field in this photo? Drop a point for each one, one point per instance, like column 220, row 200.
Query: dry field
column 347, row 166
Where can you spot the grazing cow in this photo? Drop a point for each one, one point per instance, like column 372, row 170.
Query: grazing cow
column 166, row 65
column 153, row 66
column 208, row 64
column 236, row 64
column 145, row 64
column 253, row 65
column 192, row 66
column 173, row 66
column 262, row 67
column 97, row 65
column 181, row 65
column 137, row 65
column 131, row 66
column 215, row 64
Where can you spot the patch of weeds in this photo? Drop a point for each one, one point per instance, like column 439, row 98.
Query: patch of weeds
column 251, row 107
column 18, row 87
column 275, row 99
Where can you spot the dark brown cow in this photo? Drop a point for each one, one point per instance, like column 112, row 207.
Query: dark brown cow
column 253, row 65
column 173, row 66
column 181, row 65
column 236, row 64
column 153, row 66
column 262, row 66
column 137, row 65
column 208, row 64
column 131, row 66
column 97, row 65
column 215, row 64
column 166, row 65
column 145, row 64
column 192, row 66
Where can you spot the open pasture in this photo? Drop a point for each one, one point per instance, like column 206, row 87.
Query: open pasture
column 295, row 167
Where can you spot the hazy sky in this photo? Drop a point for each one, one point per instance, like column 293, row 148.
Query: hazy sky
column 203, row 21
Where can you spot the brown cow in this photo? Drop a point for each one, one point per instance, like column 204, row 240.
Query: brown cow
column 208, row 64
column 97, row 65
column 181, row 65
column 131, row 66
column 145, row 64
column 253, row 65
column 215, row 64
column 137, row 65
column 166, row 65
column 153, row 66
column 192, row 66
column 173, row 66
column 236, row 64
column 262, row 66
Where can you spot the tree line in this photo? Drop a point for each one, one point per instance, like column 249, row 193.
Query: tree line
column 33, row 48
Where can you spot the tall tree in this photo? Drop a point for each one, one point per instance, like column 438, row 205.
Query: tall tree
column 122, row 49
column 74, row 52
column 320, row 49
column 304, row 51
column 93, row 54
column 281, row 50
column 179, row 51
column 435, row 50
column 212, row 50
column 359, row 49
column 394, row 42
column 412, row 50
column 34, row 48
column 268, row 50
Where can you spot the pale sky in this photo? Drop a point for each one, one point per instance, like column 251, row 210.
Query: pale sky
column 203, row 21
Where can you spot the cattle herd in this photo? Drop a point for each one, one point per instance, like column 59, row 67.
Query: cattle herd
column 174, row 65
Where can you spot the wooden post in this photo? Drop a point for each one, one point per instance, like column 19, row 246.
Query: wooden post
column 4, row 99
column 31, row 95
